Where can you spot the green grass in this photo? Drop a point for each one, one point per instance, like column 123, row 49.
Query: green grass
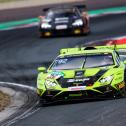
column 5, row 1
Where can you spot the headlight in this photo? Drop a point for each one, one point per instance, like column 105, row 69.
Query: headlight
column 46, row 25
column 78, row 22
column 50, row 83
column 106, row 79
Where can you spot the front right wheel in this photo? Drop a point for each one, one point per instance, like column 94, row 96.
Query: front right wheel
column 119, row 94
column 123, row 92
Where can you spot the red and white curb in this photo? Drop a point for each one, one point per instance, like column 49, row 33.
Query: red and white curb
column 108, row 41
column 119, row 40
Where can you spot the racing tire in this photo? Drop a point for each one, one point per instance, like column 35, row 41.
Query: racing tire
column 115, row 95
column 119, row 94
column 125, row 78
column 125, row 82
column 123, row 92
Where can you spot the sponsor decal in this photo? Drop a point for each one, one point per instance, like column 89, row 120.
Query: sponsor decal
column 61, row 61
column 60, row 27
column 55, row 74
column 79, row 74
column 78, row 80
column 77, row 88
column 63, row 18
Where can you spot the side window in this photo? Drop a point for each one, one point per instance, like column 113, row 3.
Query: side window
column 118, row 60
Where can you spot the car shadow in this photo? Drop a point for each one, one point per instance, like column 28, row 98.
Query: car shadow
column 60, row 103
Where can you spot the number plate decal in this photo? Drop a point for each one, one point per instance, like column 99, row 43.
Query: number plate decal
column 59, row 27
column 77, row 88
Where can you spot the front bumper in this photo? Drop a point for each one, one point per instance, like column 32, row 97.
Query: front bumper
column 69, row 31
column 99, row 92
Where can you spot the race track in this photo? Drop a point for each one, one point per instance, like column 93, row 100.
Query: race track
column 21, row 52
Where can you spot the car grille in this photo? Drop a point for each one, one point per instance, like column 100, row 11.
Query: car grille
column 80, row 80
column 64, row 82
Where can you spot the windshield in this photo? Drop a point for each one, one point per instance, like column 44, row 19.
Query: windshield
column 85, row 61
column 61, row 13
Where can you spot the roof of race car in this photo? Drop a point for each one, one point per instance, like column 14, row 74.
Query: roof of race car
column 62, row 9
column 66, row 7
column 83, row 50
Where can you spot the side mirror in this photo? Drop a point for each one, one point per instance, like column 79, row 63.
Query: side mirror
column 41, row 69
column 125, row 62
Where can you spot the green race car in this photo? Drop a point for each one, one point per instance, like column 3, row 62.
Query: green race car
column 86, row 72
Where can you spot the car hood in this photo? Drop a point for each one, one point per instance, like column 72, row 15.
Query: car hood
column 68, row 78
column 76, row 73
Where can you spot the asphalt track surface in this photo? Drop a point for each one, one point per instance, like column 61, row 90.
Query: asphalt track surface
column 21, row 52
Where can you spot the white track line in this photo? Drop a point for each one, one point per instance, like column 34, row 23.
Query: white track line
column 111, row 38
column 19, row 85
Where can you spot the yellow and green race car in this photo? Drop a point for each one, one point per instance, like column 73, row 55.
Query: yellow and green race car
column 84, row 72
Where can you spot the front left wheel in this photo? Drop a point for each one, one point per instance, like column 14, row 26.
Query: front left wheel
column 119, row 94
column 123, row 92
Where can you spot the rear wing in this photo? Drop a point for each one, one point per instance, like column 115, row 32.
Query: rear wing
column 117, row 45
column 112, row 44
column 80, row 5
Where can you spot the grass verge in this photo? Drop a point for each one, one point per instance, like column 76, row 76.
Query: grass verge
column 5, row 1
column 4, row 100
